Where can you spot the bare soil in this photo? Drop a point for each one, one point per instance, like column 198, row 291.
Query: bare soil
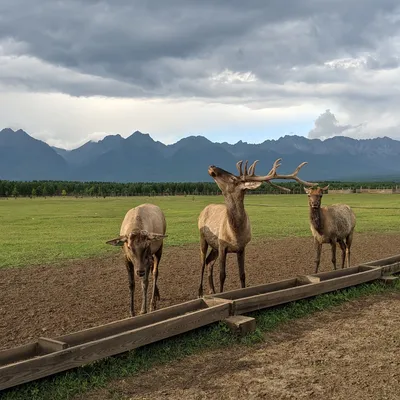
column 351, row 352
column 53, row 300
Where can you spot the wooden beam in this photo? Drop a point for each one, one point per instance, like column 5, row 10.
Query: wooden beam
column 307, row 279
column 384, row 261
column 116, row 327
column 389, row 279
column 47, row 345
column 19, row 353
column 271, row 299
column 240, row 324
column 254, row 290
column 49, row 364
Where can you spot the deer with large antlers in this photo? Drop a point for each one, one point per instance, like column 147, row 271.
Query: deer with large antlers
column 332, row 224
column 226, row 227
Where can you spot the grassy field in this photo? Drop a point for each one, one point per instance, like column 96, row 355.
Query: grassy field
column 36, row 231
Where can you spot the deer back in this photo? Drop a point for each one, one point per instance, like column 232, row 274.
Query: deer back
column 146, row 217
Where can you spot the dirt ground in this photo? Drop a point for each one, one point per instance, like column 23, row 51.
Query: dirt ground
column 53, row 300
column 329, row 355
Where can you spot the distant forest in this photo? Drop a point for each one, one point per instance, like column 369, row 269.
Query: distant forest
column 111, row 189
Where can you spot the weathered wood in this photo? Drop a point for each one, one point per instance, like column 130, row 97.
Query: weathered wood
column 391, row 269
column 18, row 353
column 254, row 290
column 47, row 345
column 384, row 261
column 240, row 324
column 323, row 276
column 29, row 370
column 389, row 279
column 306, row 279
column 114, row 328
column 271, row 299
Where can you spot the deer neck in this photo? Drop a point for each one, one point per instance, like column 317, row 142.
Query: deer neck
column 237, row 216
column 316, row 219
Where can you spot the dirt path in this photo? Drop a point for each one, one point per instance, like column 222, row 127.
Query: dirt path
column 351, row 352
column 54, row 300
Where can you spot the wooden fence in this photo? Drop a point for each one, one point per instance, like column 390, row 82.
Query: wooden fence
column 48, row 356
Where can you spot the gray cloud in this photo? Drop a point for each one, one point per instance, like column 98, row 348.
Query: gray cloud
column 261, row 54
column 159, row 45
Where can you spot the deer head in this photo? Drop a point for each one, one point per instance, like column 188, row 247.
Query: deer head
column 138, row 248
column 315, row 196
column 229, row 183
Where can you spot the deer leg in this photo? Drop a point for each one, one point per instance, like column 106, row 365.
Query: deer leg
column 349, row 241
column 210, row 261
column 156, row 294
column 129, row 267
column 333, row 248
column 145, row 285
column 318, row 247
column 242, row 274
column 222, row 267
column 343, row 248
column 203, row 253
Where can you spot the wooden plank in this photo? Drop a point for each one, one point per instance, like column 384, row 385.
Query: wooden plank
column 258, row 302
column 384, row 261
column 29, row 370
column 307, row 279
column 240, row 324
column 389, row 279
column 390, row 269
column 19, row 353
column 116, row 327
column 254, row 290
column 323, row 276
column 47, row 345
column 215, row 301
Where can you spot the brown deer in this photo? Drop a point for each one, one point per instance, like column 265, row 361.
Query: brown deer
column 141, row 235
column 226, row 227
column 332, row 224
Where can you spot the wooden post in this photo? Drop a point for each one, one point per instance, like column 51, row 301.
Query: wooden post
column 241, row 324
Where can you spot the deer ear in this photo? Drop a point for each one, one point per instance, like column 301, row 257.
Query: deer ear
column 152, row 236
column 325, row 188
column 307, row 190
column 250, row 185
column 119, row 241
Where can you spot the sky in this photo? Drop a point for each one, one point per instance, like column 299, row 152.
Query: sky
column 230, row 70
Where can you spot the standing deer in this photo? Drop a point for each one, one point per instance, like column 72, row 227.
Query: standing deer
column 141, row 235
column 332, row 224
column 226, row 227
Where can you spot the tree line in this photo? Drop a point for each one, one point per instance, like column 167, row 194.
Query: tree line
column 111, row 189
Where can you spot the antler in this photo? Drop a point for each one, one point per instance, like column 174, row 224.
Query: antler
column 249, row 175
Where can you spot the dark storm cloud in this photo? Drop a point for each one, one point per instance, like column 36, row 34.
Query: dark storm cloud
column 173, row 48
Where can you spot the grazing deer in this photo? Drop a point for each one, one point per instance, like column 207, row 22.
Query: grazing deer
column 141, row 235
column 332, row 224
column 226, row 227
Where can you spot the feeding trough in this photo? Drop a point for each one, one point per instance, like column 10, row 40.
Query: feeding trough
column 272, row 294
column 48, row 356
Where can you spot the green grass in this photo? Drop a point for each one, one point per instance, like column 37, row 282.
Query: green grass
column 36, row 231
column 99, row 374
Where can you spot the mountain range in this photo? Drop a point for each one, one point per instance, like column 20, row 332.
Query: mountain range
column 138, row 158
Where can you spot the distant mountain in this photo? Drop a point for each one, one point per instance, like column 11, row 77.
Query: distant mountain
column 140, row 158
column 24, row 158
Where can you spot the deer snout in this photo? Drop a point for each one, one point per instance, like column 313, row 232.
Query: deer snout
column 315, row 204
column 211, row 171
